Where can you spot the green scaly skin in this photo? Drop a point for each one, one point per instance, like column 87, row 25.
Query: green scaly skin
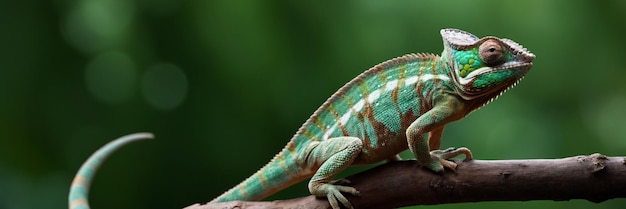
column 79, row 191
column 400, row 104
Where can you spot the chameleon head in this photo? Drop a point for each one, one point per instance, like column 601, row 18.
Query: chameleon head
column 483, row 67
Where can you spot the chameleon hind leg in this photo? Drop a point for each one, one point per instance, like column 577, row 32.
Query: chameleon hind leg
column 333, row 156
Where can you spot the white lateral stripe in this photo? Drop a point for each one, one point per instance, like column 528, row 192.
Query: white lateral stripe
column 391, row 84
column 373, row 96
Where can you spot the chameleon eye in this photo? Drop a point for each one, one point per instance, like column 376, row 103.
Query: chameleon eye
column 491, row 53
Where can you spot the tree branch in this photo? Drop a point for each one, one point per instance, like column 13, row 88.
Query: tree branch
column 595, row 178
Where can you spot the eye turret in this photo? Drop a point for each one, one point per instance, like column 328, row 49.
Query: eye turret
column 491, row 53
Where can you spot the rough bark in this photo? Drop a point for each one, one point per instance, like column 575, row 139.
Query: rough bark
column 403, row 183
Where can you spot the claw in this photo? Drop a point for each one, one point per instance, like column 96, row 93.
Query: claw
column 341, row 182
column 335, row 196
column 394, row 158
column 452, row 152
column 448, row 164
column 441, row 157
column 434, row 165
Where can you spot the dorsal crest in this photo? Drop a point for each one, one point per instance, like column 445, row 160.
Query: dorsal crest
column 395, row 62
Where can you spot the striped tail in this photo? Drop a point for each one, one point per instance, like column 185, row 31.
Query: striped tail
column 79, row 191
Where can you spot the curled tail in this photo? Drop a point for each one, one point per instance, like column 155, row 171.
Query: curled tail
column 79, row 191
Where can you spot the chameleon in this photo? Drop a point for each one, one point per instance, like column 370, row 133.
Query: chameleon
column 403, row 103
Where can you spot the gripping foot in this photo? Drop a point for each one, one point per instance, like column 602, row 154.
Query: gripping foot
column 334, row 194
column 442, row 156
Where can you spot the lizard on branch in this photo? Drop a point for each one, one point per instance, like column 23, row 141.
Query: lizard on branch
column 403, row 103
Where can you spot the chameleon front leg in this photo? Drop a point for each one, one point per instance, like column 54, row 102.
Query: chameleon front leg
column 428, row 128
column 333, row 156
column 434, row 143
column 434, row 138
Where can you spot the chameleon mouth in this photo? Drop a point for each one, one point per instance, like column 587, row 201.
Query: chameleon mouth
column 517, row 66
column 469, row 92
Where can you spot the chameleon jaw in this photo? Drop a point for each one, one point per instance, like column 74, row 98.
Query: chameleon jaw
column 466, row 86
column 517, row 65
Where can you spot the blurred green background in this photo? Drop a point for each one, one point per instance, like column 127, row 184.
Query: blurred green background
column 224, row 85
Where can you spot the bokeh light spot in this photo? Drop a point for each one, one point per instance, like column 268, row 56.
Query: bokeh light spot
column 110, row 77
column 164, row 86
column 96, row 24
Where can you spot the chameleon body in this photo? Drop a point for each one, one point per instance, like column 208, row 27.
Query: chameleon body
column 400, row 104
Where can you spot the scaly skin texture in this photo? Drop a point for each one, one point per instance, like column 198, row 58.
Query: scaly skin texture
column 79, row 191
column 400, row 104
